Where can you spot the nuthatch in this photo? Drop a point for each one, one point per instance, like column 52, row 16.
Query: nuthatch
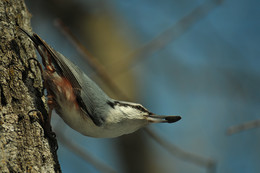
column 83, row 105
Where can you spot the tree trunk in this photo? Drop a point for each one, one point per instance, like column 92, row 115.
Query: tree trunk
column 24, row 147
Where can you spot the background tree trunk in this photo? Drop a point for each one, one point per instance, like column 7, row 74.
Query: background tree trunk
column 23, row 143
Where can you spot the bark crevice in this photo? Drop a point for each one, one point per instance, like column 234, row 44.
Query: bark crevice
column 24, row 146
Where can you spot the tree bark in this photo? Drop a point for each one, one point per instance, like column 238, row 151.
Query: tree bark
column 24, row 147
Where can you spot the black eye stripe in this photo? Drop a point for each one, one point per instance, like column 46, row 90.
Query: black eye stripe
column 112, row 104
column 138, row 107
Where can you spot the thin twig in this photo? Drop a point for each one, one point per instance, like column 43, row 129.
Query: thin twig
column 166, row 36
column 184, row 155
column 242, row 127
column 83, row 154
column 93, row 62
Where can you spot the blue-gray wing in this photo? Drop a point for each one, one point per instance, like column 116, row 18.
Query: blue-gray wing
column 90, row 96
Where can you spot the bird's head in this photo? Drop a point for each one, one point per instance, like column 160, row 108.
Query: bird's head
column 137, row 111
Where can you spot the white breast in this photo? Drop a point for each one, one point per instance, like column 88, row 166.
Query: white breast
column 112, row 128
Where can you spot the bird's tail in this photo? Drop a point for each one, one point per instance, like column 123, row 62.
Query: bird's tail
column 49, row 56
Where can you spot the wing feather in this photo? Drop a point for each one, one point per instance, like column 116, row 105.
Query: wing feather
column 90, row 97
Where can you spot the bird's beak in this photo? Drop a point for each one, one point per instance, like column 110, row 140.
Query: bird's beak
column 163, row 118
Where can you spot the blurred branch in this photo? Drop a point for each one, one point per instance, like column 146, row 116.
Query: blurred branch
column 186, row 156
column 93, row 62
column 167, row 36
column 83, row 154
column 242, row 127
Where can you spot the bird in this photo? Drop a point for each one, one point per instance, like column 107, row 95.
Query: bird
column 82, row 104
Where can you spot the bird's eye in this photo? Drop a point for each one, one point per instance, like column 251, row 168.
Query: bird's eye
column 140, row 108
